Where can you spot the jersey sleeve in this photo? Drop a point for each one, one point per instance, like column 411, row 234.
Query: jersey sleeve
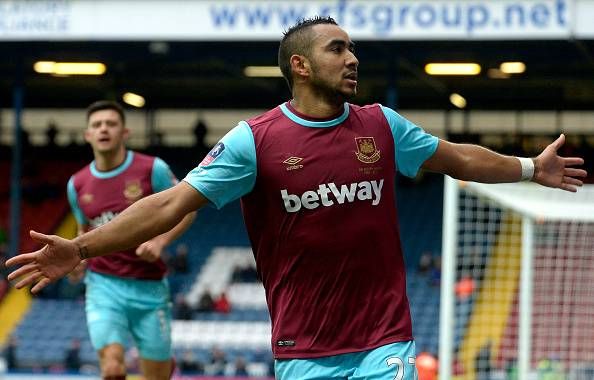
column 412, row 145
column 162, row 178
column 228, row 171
column 73, row 200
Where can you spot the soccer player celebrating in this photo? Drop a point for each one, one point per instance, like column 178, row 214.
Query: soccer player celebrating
column 316, row 180
column 126, row 293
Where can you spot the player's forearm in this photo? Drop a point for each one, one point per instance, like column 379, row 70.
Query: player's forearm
column 169, row 236
column 473, row 163
column 143, row 220
column 484, row 165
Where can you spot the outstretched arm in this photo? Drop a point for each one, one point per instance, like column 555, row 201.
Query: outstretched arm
column 140, row 222
column 151, row 250
column 475, row 163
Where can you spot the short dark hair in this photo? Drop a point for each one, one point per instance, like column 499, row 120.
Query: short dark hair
column 297, row 40
column 106, row 105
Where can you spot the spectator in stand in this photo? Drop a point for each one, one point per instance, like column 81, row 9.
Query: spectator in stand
column 180, row 260
column 190, row 365
column 511, row 370
column 205, row 303
column 552, row 369
column 240, row 367
column 218, row 362
column 10, row 354
column 222, row 304
column 51, row 133
column 245, row 273
column 73, row 287
column 435, row 275
column 181, row 308
column 427, row 366
column 482, row 362
column 425, row 262
column 72, row 358
column 200, row 131
column 464, row 288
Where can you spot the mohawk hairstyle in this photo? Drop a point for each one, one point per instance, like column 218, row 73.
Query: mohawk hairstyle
column 297, row 40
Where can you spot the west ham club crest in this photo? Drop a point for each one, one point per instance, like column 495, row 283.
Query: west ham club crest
column 366, row 150
column 133, row 191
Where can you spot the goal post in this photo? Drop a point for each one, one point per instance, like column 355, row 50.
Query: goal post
column 517, row 285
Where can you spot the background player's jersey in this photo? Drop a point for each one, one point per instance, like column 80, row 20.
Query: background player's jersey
column 319, row 204
column 97, row 197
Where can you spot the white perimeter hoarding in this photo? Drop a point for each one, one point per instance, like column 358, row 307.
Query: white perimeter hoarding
column 266, row 19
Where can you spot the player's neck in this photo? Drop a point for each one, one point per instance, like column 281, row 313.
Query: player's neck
column 315, row 106
column 106, row 161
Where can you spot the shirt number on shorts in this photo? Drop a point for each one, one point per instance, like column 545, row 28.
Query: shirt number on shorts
column 399, row 363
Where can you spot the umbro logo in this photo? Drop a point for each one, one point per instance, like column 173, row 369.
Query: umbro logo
column 292, row 160
column 293, row 163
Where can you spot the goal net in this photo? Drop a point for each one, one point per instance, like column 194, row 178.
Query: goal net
column 517, row 297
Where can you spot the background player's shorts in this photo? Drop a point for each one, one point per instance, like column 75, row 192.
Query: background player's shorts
column 389, row 362
column 117, row 307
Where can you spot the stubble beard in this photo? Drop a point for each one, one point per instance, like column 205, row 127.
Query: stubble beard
column 327, row 91
column 331, row 94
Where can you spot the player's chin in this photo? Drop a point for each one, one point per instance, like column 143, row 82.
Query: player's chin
column 349, row 92
column 106, row 147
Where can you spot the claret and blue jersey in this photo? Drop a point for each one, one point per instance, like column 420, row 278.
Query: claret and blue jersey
column 96, row 197
column 318, row 199
column 238, row 165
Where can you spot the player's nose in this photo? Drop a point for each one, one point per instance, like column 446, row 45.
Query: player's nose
column 351, row 60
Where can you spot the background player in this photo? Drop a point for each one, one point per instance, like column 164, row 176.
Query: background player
column 126, row 292
column 316, row 177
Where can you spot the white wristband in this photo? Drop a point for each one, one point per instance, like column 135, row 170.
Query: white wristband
column 527, row 168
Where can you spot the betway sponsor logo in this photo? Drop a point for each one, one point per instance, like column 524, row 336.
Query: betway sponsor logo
column 102, row 219
column 329, row 194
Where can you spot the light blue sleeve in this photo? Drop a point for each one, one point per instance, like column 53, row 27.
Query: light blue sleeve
column 228, row 171
column 162, row 178
column 73, row 200
column 412, row 145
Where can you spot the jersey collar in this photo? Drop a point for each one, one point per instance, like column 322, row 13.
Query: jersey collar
column 114, row 172
column 288, row 112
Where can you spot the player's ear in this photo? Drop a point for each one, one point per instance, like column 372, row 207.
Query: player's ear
column 300, row 65
column 87, row 135
column 126, row 134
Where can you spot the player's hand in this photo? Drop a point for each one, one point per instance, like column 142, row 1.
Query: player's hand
column 78, row 272
column 149, row 251
column 554, row 171
column 56, row 259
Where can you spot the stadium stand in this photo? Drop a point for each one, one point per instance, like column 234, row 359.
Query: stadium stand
column 45, row 334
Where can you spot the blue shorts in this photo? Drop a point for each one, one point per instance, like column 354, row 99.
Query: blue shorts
column 119, row 307
column 389, row 362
